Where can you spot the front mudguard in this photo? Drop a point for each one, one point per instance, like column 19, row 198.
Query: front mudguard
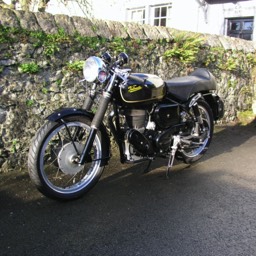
column 65, row 112
column 61, row 114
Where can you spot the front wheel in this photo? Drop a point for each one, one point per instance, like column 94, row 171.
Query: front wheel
column 53, row 159
column 198, row 143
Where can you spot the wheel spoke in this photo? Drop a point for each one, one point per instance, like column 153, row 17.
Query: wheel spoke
column 194, row 150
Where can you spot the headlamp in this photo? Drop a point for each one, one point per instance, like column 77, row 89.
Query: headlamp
column 93, row 68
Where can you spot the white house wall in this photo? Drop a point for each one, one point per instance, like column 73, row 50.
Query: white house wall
column 185, row 14
column 242, row 9
column 188, row 15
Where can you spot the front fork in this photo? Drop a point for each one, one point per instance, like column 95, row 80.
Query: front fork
column 96, row 122
column 90, row 98
column 98, row 117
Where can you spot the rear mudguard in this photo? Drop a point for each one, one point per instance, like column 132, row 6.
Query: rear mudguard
column 68, row 112
column 216, row 104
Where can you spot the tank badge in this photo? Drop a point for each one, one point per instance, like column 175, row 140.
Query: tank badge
column 134, row 88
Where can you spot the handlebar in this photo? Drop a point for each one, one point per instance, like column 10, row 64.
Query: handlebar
column 120, row 61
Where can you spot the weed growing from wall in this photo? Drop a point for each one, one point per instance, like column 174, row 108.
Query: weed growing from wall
column 30, row 102
column 75, row 66
column 92, row 42
column 30, row 68
column 50, row 42
column 185, row 47
column 7, row 34
column 234, row 61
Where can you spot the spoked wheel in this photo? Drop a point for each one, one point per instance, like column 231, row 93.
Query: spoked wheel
column 199, row 144
column 54, row 155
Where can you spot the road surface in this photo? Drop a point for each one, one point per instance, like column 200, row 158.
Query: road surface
column 205, row 209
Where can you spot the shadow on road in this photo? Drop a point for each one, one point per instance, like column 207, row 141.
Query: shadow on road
column 225, row 139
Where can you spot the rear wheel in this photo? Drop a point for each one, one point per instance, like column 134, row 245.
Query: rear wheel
column 53, row 159
column 198, row 143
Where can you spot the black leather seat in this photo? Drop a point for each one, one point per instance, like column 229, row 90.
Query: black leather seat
column 183, row 87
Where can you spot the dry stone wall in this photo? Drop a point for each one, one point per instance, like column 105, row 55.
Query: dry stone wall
column 40, row 67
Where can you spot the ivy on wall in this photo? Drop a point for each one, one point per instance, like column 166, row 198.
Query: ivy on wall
column 186, row 48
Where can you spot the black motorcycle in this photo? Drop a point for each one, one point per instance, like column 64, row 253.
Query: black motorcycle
column 147, row 117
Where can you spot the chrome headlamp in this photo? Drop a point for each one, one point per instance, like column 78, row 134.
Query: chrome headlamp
column 94, row 68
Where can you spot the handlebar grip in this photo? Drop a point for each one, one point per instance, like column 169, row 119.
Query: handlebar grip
column 140, row 80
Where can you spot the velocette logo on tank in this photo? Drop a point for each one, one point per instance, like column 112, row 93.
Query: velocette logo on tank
column 134, row 88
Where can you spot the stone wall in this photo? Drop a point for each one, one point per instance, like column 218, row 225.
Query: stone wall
column 40, row 67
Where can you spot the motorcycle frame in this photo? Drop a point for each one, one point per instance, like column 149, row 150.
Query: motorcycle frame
column 114, row 121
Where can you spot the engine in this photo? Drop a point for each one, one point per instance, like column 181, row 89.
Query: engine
column 148, row 134
column 136, row 118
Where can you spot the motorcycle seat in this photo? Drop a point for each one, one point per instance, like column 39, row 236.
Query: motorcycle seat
column 198, row 81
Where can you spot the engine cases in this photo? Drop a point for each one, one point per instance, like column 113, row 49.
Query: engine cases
column 146, row 142
column 136, row 92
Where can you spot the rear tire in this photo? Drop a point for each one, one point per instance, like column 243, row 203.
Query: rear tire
column 192, row 155
column 51, row 160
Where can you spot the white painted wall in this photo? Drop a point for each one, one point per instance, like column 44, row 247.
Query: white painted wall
column 185, row 14
column 188, row 15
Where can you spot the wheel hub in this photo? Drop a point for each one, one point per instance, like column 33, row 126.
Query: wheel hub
column 67, row 158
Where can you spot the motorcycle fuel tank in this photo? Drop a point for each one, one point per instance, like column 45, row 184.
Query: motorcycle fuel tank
column 151, row 88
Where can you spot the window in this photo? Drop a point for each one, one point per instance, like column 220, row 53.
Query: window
column 240, row 27
column 157, row 15
column 138, row 15
column 161, row 15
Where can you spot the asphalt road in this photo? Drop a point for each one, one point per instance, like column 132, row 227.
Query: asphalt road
column 205, row 209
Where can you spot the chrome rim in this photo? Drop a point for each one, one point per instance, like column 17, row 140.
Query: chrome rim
column 207, row 124
column 57, row 159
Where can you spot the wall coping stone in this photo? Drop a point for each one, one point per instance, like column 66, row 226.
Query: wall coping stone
column 47, row 22
column 84, row 26
column 65, row 22
column 108, row 29
column 8, row 18
column 28, row 20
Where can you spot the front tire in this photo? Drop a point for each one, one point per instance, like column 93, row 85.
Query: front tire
column 52, row 159
column 193, row 153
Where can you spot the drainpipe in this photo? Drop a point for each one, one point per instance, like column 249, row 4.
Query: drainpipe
column 204, row 6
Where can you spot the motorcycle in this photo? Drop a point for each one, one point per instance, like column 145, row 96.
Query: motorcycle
column 147, row 117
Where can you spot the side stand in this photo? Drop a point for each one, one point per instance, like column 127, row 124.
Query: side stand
column 176, row 142
column 147, row 168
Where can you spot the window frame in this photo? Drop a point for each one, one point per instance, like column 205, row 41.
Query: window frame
column 240, row 32
column 149, row 17
column 137, row 10
column 166, row 18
